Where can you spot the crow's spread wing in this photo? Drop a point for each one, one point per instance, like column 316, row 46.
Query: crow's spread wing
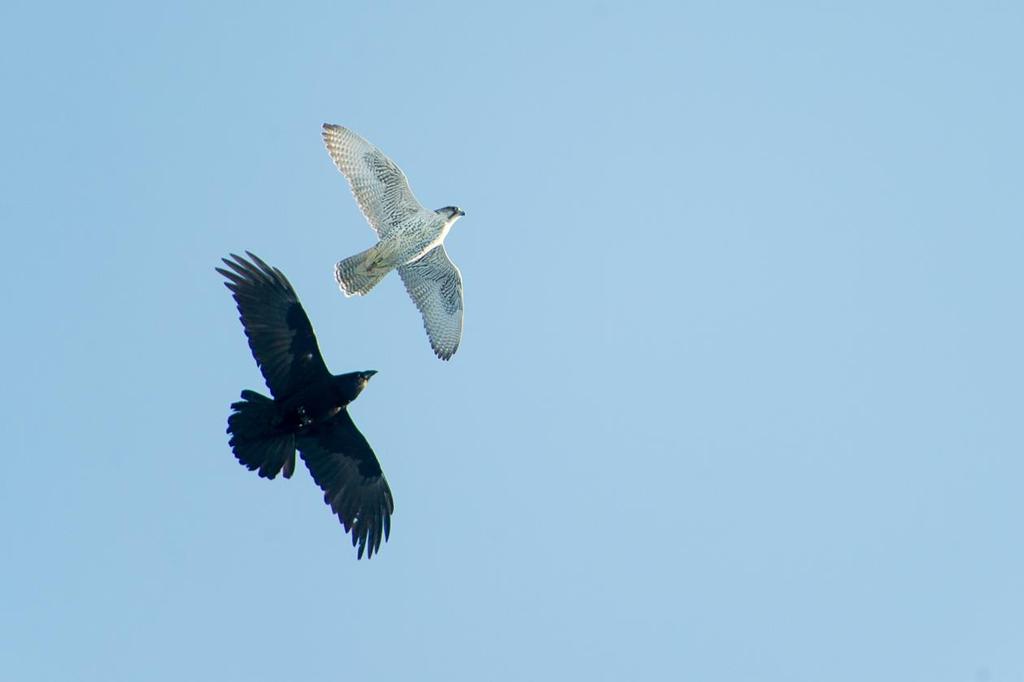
column 345, row 468
column 379, row 185
column 280, row 335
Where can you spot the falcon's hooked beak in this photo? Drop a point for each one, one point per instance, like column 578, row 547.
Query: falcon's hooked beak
column 459, row 212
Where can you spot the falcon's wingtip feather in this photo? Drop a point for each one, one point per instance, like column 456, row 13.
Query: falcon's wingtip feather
column 328, row 128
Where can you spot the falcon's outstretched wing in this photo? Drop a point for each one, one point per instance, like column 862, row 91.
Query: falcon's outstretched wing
column 345, row 468
column 280, row 335
column 435, row 285
column 379, row 185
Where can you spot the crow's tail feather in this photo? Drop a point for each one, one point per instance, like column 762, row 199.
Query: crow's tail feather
column 254, row 439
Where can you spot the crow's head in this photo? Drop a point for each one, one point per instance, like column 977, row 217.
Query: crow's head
column 350, row 385
column 364, row 377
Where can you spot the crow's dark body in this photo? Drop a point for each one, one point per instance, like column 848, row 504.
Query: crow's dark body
column 308, row 411
column 317, row 403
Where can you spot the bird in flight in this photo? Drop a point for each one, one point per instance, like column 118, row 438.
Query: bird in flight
column 308, row 410
column 411, row 239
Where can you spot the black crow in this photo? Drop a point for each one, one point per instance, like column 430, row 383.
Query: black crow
column 308, row 410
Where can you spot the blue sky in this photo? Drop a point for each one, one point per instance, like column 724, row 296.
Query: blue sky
column 739, row 393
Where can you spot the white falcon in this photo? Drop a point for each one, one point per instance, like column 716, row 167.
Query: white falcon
column 411, row 239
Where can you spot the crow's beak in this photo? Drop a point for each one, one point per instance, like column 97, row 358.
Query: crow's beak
column 369, row 373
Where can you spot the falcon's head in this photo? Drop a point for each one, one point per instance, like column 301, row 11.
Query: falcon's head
column 450, row 213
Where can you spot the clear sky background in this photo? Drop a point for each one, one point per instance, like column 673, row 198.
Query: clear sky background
column 739, row 395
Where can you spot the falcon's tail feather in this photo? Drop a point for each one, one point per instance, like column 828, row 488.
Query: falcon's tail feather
column 357, row 274
column 255, row 441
